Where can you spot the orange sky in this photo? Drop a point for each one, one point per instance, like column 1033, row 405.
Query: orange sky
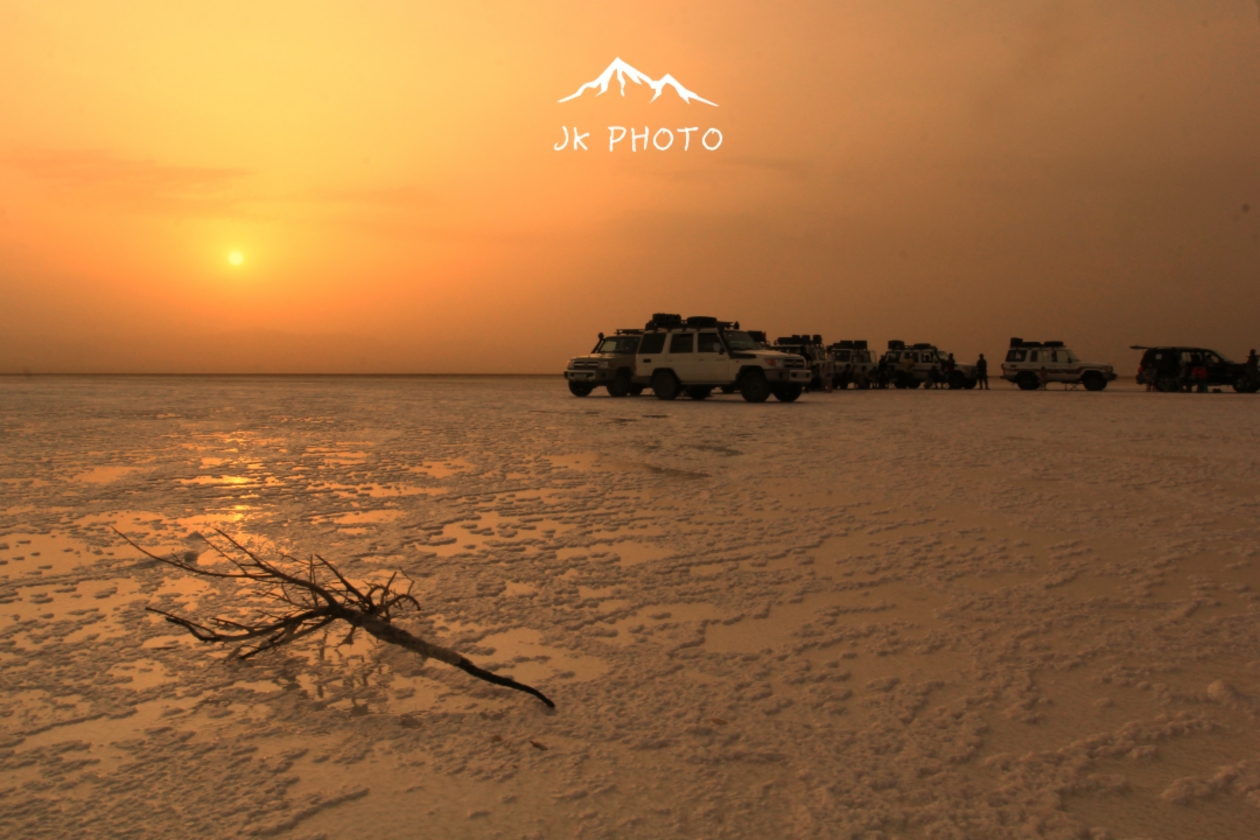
column 954, row 171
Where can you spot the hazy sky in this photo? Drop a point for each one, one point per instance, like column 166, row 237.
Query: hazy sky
column 955, row 171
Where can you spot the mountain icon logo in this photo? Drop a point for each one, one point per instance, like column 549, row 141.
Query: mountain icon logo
column 624, row 71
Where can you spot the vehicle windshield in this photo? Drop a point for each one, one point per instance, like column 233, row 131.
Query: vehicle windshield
column 619, row 344
column 740, row 341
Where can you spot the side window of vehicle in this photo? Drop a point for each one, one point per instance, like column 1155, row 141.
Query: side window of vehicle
column 681, row 343
column 1211, row 359
column 1016, row 355
column 653, row 343
column 1033, row 355
column 709, row 343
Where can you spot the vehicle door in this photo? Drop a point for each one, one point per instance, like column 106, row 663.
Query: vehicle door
column 680, row 356
column 1219, row 372
column 1058, row 367
column 651, row 349
column 712, row 364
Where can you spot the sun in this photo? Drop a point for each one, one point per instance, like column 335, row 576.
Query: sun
column 236, row 258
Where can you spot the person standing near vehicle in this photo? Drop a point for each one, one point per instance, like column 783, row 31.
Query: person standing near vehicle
column 982, row 373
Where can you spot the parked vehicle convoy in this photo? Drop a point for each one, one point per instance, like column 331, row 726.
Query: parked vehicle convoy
column 610, row 364
column 696, row 355
column 1173, row 368
column 810, row 348
column 918, row 364
column 1033, row 364
column 852, row 363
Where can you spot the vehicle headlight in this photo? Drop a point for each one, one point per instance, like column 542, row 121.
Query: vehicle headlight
column 572, row 363
column 771, row 362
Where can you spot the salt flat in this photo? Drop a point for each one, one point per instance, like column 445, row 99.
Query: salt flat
column 866, row 614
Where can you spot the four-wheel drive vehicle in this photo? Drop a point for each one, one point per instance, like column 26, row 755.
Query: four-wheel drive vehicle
column 909, row 367
column 810, row 348
column 610, row 364
column 1171, row 369
column 1027, row 360
column 699, row 354
column 852, row 363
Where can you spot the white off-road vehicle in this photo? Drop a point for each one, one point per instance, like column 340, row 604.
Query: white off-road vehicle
column 696, row 355
column 852, row 364
column 910, row 367
column 1031, row 364
column 610, row 364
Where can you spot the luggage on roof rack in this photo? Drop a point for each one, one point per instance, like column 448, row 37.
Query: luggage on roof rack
column 702, row 321
column 664, row 321
column 758, row 336
column 1017, row 342
column 894, row 344
column 922, row 346
column 1052, row 344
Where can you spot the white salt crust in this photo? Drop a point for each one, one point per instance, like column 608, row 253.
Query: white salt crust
column 867, row 615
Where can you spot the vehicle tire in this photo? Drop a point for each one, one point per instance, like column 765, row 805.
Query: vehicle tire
column 1246, row 385
column 580, row 389
column 1093, row 381
column 636, row 390
column 699, row 392
column 956, row 381
column 620, row 385
column 787, row 392
column 969, row 384
column 1028, row 381
column 753, row 387
column 664, row 385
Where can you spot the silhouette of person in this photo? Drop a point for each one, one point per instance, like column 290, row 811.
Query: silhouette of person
column 982, row 373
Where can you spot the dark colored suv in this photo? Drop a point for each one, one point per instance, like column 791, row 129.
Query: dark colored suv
column 1173, row 369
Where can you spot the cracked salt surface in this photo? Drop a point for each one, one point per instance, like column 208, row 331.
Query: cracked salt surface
column 880, row 614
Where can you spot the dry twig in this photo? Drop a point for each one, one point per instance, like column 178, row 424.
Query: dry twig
column 312, row 598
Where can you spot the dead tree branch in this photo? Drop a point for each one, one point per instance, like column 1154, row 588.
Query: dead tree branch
column 313, row 595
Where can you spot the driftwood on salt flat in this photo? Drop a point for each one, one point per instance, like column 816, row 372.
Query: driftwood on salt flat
column 315, row 597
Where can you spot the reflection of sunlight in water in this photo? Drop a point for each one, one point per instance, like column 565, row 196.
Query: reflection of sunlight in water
column 224, row 480
column 104, row 475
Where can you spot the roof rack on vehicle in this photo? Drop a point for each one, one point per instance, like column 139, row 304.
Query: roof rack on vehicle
column 1017, row 342
column 894, row 344
column 664, row 321
column 921, row 346
column 630, row 331
column 701, row 321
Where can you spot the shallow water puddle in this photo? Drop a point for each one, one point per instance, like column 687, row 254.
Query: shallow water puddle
column 104, row 475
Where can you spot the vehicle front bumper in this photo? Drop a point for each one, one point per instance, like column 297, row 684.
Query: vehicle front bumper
column 590, row 376
column 801, row 376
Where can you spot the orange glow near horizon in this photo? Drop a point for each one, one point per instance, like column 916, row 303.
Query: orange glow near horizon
column 956, row 172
